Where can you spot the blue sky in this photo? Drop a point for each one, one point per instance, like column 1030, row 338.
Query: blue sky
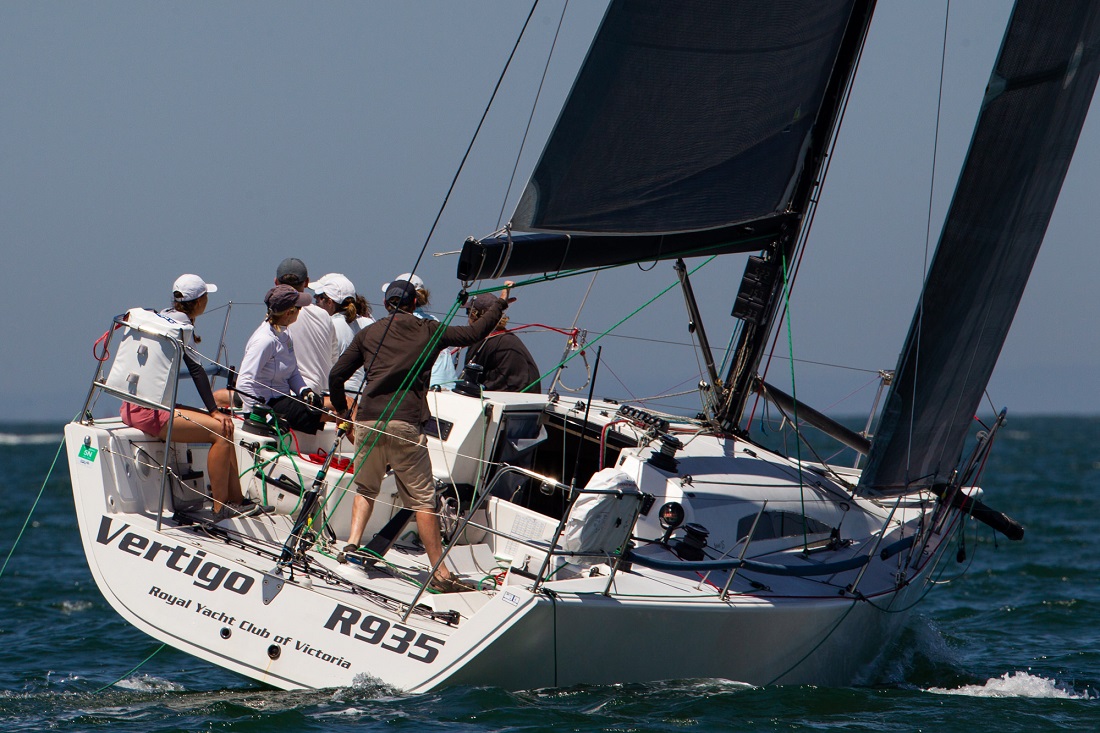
column 144, row 140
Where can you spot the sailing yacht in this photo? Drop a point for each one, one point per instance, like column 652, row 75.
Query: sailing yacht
column 607, row 542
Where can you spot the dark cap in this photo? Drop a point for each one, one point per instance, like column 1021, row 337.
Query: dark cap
column 292, row 267
column 400, row 293
column 282, row 298
column 481, row 303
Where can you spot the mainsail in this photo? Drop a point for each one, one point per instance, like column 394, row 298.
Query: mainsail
column 694, row 127
column 1035, row 105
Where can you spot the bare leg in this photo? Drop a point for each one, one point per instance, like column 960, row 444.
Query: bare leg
column 192, row 426
column 427, row 526
column 361, row 509
column 223, row 398
column 225, row 480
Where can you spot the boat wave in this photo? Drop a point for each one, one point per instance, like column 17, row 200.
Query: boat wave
column 1021, row 684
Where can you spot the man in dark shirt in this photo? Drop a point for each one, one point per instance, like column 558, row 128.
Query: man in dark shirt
column 507, row 365
column 398, row 352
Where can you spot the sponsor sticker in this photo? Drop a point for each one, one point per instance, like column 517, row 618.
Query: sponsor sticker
column 87, row 454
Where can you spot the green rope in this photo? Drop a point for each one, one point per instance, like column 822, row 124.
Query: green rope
column 391, row 407
column 258, row 467
column 135, row 669
column 620, row 322
column 26, row 522
column 794, row 401
column 281, row 449
column 30, row 514
column 395, row 400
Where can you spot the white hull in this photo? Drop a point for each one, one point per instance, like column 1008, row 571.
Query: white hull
column 210, row 590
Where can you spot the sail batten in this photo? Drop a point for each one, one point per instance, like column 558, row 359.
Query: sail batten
column 1035, row 106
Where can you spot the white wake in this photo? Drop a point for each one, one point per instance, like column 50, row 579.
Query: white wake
column 1019, row 684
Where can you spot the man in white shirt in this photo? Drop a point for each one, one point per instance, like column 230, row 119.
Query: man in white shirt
column 315, row 343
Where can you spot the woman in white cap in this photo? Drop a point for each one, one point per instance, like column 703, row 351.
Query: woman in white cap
column 215, row 426
column 445, row 368
column 350, row 314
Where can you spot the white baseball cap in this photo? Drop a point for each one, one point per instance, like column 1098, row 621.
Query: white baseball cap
column 335, row 286
column 407, row 277
column 192, row 287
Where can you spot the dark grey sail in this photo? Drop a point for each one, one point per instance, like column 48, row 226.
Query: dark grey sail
column 1035, row 105
column 690, row 130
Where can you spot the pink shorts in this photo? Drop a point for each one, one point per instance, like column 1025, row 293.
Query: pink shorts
column 145, row 419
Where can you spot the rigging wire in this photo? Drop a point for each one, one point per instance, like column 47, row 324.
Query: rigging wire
column 989, row 399
column 919, row 320
column 622, row 320
column 794, row 400
column 621, row 382
column 573, row 328
column 469, row 148
column 531, row 116
column 735, row 336
column 34, row 504
column 811, row 213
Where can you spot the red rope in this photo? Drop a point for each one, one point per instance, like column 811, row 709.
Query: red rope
column 603, row 438
column 102, row 341
column 571, row 333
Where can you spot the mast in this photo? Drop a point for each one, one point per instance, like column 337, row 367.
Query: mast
column 695, row 127
column 760, row 296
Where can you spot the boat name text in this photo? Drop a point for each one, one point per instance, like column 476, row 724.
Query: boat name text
column 208, row 575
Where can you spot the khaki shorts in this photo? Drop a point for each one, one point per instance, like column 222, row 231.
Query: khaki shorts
column 405, row 449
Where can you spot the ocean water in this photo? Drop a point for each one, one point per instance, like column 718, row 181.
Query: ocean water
column 1010, row 642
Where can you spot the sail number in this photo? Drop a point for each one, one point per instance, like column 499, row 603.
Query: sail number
column 391, row 637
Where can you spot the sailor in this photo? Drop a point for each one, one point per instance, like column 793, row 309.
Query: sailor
column 506, row 364
column 445, row 369
column 315, row 343
column 269, row 370
column 349, row 311
column 215, row 426
column 393, row 408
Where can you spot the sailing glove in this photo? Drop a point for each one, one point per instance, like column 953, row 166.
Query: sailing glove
column 311, row 398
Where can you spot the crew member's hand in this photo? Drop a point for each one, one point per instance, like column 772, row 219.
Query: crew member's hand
column 507, row 289
column 226, row 421
column 312, row 399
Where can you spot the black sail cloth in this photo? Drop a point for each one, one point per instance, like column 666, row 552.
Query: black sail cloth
column 1035, row 105
column 687, row 132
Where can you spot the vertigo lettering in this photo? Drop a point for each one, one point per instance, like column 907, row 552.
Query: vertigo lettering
column 207, row 574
